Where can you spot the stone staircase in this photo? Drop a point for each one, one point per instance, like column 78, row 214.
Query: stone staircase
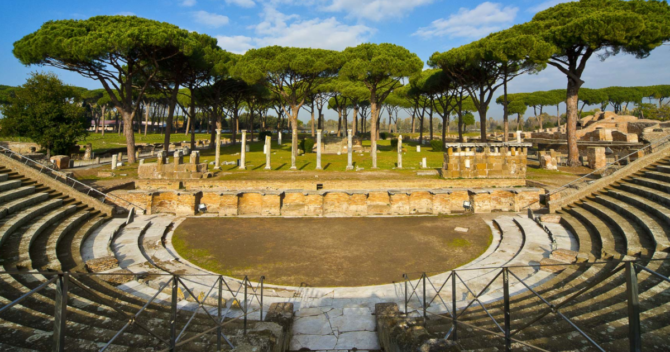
column 44, row 231
column 628, row 220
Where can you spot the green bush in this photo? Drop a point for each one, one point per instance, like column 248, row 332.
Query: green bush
column 394, row 143
column 437, row 145
column 261, row 135
column 306, row 145
column 383, row 135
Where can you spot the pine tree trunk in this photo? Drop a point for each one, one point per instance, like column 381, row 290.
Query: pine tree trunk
column 130, row 136
column 571, row 108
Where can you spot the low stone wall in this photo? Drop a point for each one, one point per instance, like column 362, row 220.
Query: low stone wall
column 333, row 203
column 311, row 185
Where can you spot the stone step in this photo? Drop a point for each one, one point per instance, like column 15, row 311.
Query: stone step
column 3, row 176
column 24, row 217
column 646, row 192
column 151, row 242
column 603, row 232
column 663, row 168
column 22, row 203
column 660, row 176
column 36, row 229
column 16, row 193
column 97, row 245
column 8, row 185
column 42, row 246
column 586, row 246
column 651, row 183
column 649, row 215
column 126, row 246
column 626, row 232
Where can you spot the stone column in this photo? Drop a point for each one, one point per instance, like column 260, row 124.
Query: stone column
column 318, row 149
column 294, row 139
column 400, row 152
column 279, row 138
column 120, row 157
column 114, row 161
column 217, row 162
column 268, row 149
column 195, row 157
column 177, row 159
column 423, row 163
column 243, row 153
column 350, row 158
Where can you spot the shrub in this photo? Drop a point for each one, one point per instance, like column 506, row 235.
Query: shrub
column 437, row 145
column 383, row 135
column 261, row 135
column 394, row 143
column 306, row 145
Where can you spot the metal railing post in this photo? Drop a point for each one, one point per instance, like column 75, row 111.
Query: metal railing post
column 173, row 314
column 246, row 279
column 508, row 328
column 219, row 308
column 454, row 316
column 425, row 302
column 405, row 293
column 634, row 330
column 262, row 279
column 60, row 312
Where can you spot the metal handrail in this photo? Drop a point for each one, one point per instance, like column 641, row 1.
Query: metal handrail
column 658, row 142
column 59, row 174
column 62, row 281
column 629, row 267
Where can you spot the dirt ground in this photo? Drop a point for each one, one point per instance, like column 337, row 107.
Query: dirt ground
column 331, row 251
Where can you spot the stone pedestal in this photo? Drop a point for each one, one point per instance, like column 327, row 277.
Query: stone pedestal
column 597, row 157
column 350, row 165
column 195, row 157
column 318, row 149
column 217, row 162
column 548, row 163
column 268, row 149
column 399, row 152
column 114, row 161
column 424, row 164
column 178, row 158
column 88, row 154
column 61, row 162
column 294, row 140
column 120, row 157
column 243, row 151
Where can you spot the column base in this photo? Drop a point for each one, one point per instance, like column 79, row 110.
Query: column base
column 268, row 168
column 318, row 168
column 350, row 168
column 293, row 168
column 242, row 168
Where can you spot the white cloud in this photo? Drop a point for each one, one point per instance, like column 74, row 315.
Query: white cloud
column 210, row 19
column 290, row 30
column 187, row 3
column 241, row 3
column 375, row 10
column 238, row 44
column 126, row 13
column 546, row 4
column 478, row 22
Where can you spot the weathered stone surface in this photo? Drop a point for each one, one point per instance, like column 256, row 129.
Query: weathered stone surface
column 102, row 264
column 597, row 158
column 313, row 342
column 312, row 325
column 551, row 265
column 480, row 160
column 564, row 255
column 61, row 162
column 362, row 340
column 551, row 218
column 461, row 229
column 548, row 163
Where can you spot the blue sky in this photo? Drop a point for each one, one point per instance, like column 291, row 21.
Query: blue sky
column 422, row 26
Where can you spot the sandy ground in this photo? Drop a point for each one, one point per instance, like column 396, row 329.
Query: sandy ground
column 331, row 251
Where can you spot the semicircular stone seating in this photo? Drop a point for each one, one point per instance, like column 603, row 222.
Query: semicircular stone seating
column 42, row 231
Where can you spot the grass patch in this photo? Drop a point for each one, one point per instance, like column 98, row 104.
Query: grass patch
column 459, row 242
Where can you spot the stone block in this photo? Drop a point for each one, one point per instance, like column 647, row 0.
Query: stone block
column 250, row 204
column 547, row 162
column 551, row 218
column 378, row 203
column 399, row 204
column 597, row 158
column 358, row 204
column 293, row 204
column 271, row 205
column 228, row 205
column 335, row 204
column 564, row 255
column 551, row 265
column 98, row 265
column 314, row 205
column 421, row 203
column 61, row 162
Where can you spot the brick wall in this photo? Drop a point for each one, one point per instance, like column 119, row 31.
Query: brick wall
column 335, row 203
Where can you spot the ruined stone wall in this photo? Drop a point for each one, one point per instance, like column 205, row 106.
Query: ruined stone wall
column 487, row 161
column 334, row 203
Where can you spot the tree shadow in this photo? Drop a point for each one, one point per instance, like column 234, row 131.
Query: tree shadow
column 280, row 166
column 305, row 165
column 326, row 167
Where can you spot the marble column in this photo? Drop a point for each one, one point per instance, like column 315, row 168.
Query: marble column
column 217, row 162
column 318, row 149
column 279, row 138
column 268, row 149
column 350, row 154
column 294, row 151
column 399, row 152
column 243, row 152
column 114, row 161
